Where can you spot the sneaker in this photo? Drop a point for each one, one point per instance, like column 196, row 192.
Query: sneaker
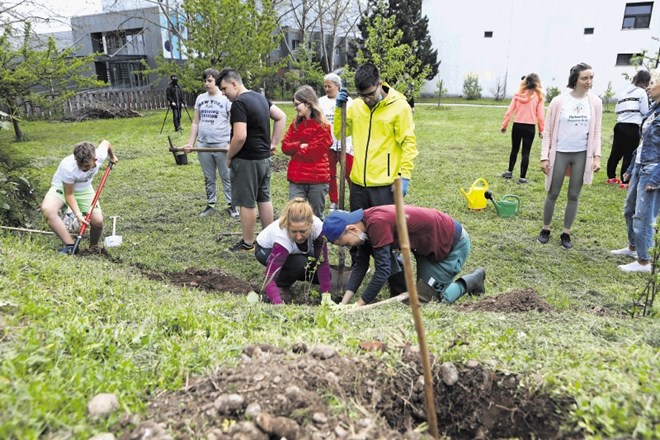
column 507, row 174
column 523, row 180
column 233, row 212
column 625, row 251
column 242, row 246
column 207, row 211
column 613, row 180
column 68, row 249
column 544, row 236
column 565, row 240
column 636, row 267
column 333, row 206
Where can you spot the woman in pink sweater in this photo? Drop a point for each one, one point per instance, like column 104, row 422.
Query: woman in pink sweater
column 527, row 105
column 571, row 147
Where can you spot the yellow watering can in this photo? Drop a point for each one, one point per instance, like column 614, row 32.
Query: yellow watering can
column 508, row 206
column 476, row 196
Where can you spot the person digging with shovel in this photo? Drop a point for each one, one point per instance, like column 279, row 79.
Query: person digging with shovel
column 72, row 186
column 440, row 244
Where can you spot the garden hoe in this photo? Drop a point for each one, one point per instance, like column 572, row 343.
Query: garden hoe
column 340, row 200
column 83, row 227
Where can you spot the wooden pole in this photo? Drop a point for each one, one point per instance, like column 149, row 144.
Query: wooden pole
column 404, row 242
column 35, row 231
column 342, row 190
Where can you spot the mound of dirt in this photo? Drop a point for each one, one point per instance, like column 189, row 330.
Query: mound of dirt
column 511, row 302
column 279, row 163
column 97, row 252
column 318, row 394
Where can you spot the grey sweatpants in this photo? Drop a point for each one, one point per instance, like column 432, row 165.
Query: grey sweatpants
column 577, row 161
column 211, row 162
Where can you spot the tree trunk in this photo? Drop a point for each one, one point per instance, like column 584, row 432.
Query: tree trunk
column 18, row 134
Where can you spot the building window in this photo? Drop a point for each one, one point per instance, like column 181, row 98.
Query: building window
column 295, row 44
column 588, row 31
column 623, row 59
column 488, row 34
column 637, row 15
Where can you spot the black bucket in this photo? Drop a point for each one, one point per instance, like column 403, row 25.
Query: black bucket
column 181, row 158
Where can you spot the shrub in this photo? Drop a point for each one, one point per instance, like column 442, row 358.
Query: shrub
column 551, row 93
column 471, row 86
column 17, row 195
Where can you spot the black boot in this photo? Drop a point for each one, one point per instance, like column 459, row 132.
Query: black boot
column 474, row 282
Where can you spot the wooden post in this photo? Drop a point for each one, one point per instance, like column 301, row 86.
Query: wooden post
column 404, row 242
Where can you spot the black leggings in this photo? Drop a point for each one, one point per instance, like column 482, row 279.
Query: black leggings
column 626, row 140
column 521, row 133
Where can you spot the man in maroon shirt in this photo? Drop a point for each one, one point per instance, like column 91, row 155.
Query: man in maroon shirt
column 440, row 245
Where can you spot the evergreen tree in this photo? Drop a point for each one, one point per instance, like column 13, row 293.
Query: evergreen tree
column 408, row 18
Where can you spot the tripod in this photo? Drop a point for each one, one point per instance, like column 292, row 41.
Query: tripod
column 165, row 118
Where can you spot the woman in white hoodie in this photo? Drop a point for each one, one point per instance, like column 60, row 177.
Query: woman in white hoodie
column 631, row 107
column 527, row 105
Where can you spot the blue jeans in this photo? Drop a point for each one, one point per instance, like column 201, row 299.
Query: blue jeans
column 640, row 210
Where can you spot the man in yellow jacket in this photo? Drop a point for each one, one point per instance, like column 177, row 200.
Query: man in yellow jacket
column 381, row 124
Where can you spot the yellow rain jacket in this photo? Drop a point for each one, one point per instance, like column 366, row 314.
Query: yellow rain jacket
column 384, row 142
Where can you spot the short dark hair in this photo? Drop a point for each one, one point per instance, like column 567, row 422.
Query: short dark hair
column 212, row 72
column 230, row 75
column 366, row 75
column 575, row 72
column 642, row 78
column 84, row 151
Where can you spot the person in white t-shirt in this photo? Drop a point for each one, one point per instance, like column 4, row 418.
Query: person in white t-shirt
column 293, row 249
column 332, row 85
column 571, row 146
column 72, row 186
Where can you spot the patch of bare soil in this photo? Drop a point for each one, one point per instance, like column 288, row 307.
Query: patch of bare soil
column 318, row 394
column 279, row 163
column 511, row 302
column 211, row 280
column 97, row 252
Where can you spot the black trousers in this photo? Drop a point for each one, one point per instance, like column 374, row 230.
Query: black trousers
column 176, row 116
column 296, row 268
column 521, row 133
column 626, row 140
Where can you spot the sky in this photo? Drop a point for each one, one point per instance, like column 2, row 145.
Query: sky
column 67, row 9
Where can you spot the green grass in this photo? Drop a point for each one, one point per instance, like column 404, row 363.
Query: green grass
column 71, row 328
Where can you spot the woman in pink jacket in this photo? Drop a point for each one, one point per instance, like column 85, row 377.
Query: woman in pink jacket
column 307, row 142
column 527, row 105
column 571, row 146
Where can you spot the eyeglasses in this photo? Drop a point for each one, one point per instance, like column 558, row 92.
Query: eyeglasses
column 371, row 94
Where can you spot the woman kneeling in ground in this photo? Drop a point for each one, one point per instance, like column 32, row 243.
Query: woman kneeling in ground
column 293, row 249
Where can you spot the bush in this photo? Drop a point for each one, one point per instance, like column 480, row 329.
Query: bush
column 551, row 93
column 471, row 86
column 17, row 195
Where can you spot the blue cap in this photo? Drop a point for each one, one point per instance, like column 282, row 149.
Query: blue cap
column 335, row 224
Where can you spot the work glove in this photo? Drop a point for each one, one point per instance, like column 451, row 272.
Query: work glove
column 342, row 97
column 326, row 300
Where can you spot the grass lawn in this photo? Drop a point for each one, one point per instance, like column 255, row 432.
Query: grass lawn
column 71, row 328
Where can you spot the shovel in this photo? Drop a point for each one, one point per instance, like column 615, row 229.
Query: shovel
column 114, row 240
column 83, row 227
column 342, row 190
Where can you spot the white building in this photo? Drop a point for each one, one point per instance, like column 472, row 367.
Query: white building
column 502, row 40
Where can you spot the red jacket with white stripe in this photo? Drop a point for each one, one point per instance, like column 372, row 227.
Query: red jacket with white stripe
column 308, row 165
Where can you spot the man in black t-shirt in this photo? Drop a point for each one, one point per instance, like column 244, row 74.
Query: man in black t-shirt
column 250, row 149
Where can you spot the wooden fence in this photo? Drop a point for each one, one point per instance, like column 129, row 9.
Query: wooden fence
column 126, row 99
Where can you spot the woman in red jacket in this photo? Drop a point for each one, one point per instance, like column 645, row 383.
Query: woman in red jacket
column 307, row 142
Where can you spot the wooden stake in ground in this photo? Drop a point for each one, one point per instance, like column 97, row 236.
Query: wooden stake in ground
column 342, row 190
column 35, row 231
column 404, row 242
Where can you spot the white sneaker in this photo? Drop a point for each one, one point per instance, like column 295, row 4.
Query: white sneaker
column 625, row 251
column 635, row 267
column 333, row 206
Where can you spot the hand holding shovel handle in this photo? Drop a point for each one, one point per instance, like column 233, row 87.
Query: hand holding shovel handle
column 83, row 227
column 175, row 150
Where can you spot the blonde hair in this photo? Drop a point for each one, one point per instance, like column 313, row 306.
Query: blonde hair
column 531, row 83
column 655, row 76
column 297, row 210
column 307, row 95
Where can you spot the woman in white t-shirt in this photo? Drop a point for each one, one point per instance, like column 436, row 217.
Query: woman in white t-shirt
column 571, row 146
column 72, row 186
column 293, row 249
